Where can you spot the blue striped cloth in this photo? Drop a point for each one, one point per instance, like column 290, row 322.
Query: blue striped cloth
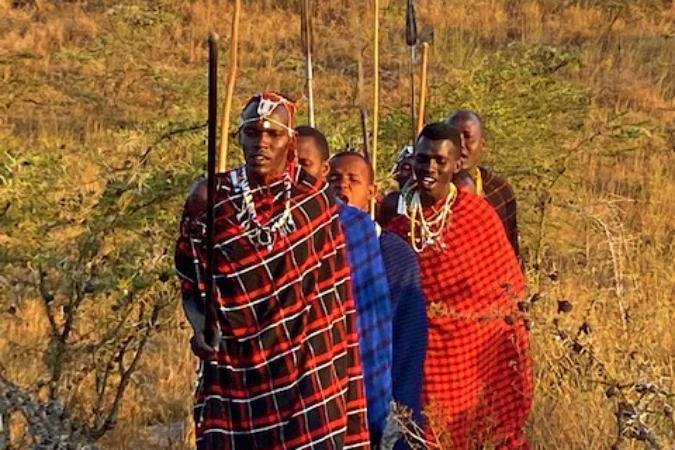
column 410, row 325
column 373, row 312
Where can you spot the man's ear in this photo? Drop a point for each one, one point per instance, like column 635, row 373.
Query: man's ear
column 325, row 169
column 372, row 190
column 458, row 166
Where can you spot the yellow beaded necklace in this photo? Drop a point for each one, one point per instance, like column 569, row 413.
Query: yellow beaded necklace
column 478, row 181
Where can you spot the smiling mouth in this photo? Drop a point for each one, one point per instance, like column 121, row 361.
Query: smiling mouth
column 427, row 182
column 342, row 197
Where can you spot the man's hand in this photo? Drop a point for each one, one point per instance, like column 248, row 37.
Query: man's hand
column 202, row 346
column 203, row 342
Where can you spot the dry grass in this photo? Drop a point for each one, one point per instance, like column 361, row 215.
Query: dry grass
column 85, row 87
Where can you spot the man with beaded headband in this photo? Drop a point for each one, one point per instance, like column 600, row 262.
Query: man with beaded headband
column 283, row 370
column 477, row 372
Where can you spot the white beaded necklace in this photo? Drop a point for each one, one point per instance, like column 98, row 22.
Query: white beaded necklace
column 264, row 235
column 431, row 230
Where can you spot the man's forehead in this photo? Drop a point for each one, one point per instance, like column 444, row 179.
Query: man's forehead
column 469, row 124
column 350, row 163
column 435, row 146
column 278, row 114
column 308, row 146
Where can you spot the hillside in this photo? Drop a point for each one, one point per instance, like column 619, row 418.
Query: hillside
column 102, row 131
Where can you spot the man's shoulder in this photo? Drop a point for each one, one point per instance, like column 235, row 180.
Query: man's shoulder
column 395, row 248
column 356, row 223
column 493, row 181
column 473, row 211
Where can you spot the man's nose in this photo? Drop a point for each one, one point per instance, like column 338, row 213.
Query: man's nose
column 264, row 139
column 342, row 184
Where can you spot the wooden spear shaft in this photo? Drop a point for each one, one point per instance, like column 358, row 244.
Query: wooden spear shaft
column 376, row 88
column 423, row 87
column 231, row 78
column 210, row 302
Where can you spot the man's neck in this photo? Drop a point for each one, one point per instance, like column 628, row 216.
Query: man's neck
column 429, row 200
column 256, row 181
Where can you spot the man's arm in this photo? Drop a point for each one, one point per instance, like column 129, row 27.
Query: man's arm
column 189, row 266
column 193, row 306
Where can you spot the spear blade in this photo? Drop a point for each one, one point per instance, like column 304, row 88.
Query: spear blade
column 410, row 24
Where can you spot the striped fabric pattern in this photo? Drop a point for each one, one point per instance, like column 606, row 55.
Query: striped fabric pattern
column 288, row 374
column 373, row 310
column 478, row 370
column 499, row 194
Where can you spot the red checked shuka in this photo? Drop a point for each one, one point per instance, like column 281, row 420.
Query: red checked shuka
column 478, row 371
column 288, row 374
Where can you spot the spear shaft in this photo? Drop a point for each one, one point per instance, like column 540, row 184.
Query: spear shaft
column 411, row 41
column 365, row 134
column 231, row 78
column 376, row 89
column 423, row 87
column 307, row 44
column 210, row 307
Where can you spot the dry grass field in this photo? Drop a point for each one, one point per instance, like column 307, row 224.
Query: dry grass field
column 102, row 130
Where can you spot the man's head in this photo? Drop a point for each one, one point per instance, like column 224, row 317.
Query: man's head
column 313, row 152
column 404, row 165
column 266, row 135
column 437, row 159
column 470, row 126
column 352, row 178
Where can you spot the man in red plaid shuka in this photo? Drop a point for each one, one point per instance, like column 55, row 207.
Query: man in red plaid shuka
column 477, row 375
column 283, row 371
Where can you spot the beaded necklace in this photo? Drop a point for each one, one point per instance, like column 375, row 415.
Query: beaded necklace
column 264, row 235
column 478, row 181
column 431, row 231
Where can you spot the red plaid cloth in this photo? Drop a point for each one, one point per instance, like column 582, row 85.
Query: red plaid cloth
column 500, row 195
column 289, row 374
column 477, row 374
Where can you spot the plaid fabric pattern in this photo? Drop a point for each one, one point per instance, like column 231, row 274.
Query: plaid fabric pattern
column 288, row 375
column 500, row 195
column 477, row 373
column 373, row 312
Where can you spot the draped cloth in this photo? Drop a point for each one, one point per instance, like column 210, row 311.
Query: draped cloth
column 409, row 324
column 373, row 311
column 499, row 194
column 478, row 373
column 288, row 372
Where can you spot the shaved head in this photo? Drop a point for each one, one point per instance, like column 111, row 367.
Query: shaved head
column 464, row 115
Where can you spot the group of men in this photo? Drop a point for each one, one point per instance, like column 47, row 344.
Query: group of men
column 335, row 331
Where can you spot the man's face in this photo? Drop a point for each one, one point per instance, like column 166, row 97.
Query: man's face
column 472, row 148
column 309, row 158
column 350, row 179
column 404, row 172
column 265, row 144
column 435, row 164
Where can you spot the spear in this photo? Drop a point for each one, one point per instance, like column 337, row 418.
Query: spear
column 376, row 88
column 210, row 305
column 411, row 41
column 306, row 37
column 365, row 134
column 423, row 87
column 231, row 77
